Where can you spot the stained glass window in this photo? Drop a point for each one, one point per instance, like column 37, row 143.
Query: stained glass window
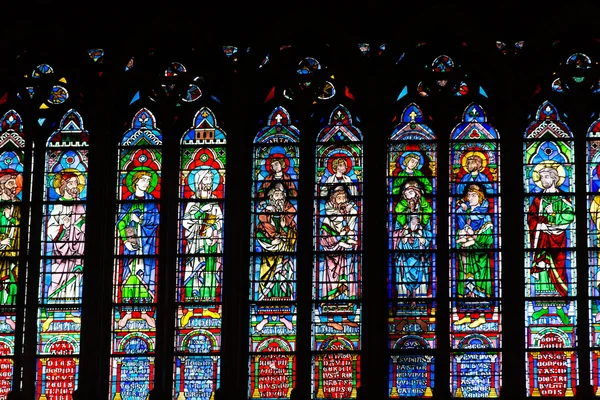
column 200, row 260
column 337, row 266
column 62, row 263
column 12, row 163
column 593, row 242
column 135, row 267
column 411, row 183
column 550, row 268
column 475, row 257
column 273, row 273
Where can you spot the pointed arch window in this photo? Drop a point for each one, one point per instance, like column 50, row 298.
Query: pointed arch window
column 136, row 259
column 62, row 263
column 337, row 265
column 550, row 266
column 412, row 241
column 593, row 242
column 273, row 272
column 12, row 169
column 475, row 257
column 199, row 295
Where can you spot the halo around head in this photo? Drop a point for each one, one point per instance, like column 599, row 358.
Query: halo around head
column 413, row 154
column 535, row 174
column 476, row 153
column 200, row 172
column 277, row 157
column 151, row 172
column 58, row 177
column 343, row 156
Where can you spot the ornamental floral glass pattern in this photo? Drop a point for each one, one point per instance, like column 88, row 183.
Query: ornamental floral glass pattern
column 337, row 265
column 273, row 272
column 62, row 263
column 475, row 257
column 412, row 228
column 200, row 259
column 136, row 251
column 12, row 154
column 593, row 243
column 550, row 268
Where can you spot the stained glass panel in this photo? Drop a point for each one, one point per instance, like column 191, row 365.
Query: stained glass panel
column 337, row 265
column 12, row 153
column 475, row 257
column 593, row 243
column 200, row 261
column 62, row 263
column 550, row 268
column 412, row 227
column 274, row 232
column 136, row 250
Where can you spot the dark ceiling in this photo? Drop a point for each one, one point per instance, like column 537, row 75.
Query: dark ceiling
column 89, row 23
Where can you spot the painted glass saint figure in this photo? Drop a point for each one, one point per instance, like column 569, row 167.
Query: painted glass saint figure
column 548, row 218
column 203, row 224
column 137, row 225
column 412, row 235
column 475, row 233
column 66, row 229
column 339, row 235
column 10, row 222
column 276, row 233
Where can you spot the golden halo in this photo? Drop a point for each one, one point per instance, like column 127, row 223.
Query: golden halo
column 535, row 174
column 476, row 153
column 59, row 175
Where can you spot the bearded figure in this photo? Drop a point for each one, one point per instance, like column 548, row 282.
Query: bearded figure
column 275, row 233
column 10, row 221
column 66, row 233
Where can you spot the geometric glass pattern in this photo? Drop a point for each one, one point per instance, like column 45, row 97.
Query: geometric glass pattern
column 62, row 263
column 475, row 258
column 273, row 273
column 337, row 264
column 550, row 266
column 12, row 163
column 200, row 259
column 593, row 243
column 412, row 227
column 136, row 260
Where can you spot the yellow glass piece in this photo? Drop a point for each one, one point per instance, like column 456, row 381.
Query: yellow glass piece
column 63, row 80
column 43, row 107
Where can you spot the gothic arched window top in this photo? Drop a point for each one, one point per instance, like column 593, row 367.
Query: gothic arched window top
column 412, row 126
column 63, row 248
column 11, row 130
column 278, row 129
column 340, row 128
column 594, row 130
column 412, row 241
column 550, row 264
column 137, row 246
column 205, row 130
column 547, row 124
column 70, row 132
column 593, row 243
column 143, row 131
column 200, row 264
column 475, row 257
column 273, row 260
column 474, row 126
